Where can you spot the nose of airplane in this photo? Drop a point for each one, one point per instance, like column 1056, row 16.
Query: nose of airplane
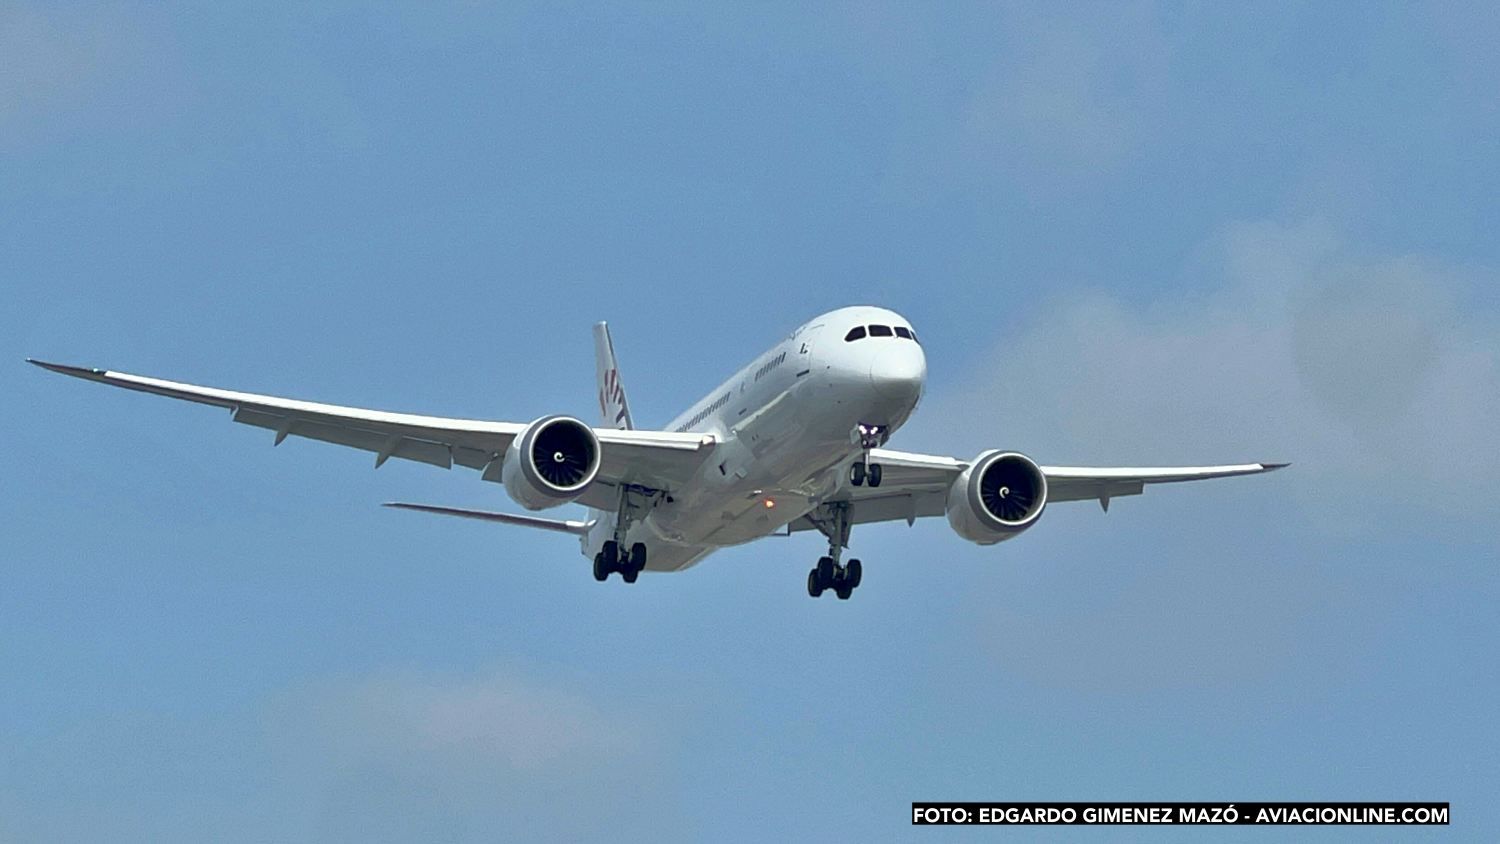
column 899, row 371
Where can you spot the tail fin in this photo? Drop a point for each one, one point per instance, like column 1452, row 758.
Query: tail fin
column 613, row 409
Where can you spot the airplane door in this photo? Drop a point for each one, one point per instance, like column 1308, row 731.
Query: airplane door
column 805, row 340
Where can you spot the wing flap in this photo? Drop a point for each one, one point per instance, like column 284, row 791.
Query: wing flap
column 575, row 528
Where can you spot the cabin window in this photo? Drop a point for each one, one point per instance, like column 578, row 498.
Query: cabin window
column 880, row 331
column 855, row 333
column 903, row 332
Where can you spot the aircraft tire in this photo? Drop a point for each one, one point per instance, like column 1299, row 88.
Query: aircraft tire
column 601, row 573
column 854, row 573
column 814, row 587
column 825, row 571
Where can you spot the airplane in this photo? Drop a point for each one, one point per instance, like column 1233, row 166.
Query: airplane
column 794, row 441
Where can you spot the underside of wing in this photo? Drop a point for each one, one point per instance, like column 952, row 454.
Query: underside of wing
column 1085, row 483
column 912, row 486
column 653, row 459
column 570, row 526
column 916, row 486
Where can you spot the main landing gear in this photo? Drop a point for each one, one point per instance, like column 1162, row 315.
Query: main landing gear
column 833, row 521
column 614, row 558
column 868, row 437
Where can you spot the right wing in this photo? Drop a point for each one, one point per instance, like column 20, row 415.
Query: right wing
column 660, row 460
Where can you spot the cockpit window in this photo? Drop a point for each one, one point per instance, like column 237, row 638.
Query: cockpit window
column 902, row 331
column 855, row 333
column 880, row 331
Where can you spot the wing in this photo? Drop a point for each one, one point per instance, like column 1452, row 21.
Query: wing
column 915, row 486
column 656, row 459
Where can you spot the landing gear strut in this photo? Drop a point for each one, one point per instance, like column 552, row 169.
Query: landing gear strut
column 833, row 521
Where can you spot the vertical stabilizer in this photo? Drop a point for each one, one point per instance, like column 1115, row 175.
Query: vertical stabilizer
column 614, row 411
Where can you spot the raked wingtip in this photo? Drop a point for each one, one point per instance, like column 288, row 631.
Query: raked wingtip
column 65, row 369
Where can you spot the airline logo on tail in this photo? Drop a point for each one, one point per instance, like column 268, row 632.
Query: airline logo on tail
column 614, row 410
column 612, row 401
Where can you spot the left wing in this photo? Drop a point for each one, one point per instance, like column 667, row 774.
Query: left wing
column 915, row 486
column 661, row 460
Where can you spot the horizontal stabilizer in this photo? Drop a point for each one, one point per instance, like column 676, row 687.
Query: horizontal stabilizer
column 559, row 525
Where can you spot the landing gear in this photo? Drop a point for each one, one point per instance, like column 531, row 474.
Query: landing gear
column 637, row 562
column 614, row 556
column 841, row 579
column 833, row 520
column 611, row 559
column 865, row 473
column 868, row 437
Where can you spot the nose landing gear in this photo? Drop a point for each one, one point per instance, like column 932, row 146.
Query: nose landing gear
column 868, row 437
column 865, row 472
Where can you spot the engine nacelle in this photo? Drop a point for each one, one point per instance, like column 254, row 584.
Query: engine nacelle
column 1001, row 494
column 551, row 462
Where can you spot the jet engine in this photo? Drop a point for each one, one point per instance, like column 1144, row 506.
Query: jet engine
column 551, row 462
column 1001, row 494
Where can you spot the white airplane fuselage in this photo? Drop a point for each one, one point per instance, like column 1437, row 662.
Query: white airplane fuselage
column 786, row 424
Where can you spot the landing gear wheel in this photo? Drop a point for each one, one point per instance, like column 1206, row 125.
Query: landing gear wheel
column 814, row 586
column 873, row 474
column 601, row 573
column 631, row 565
column 854, row 573
column 826, row 570
column 857, row 474
column 843, row 590
column 611, row 555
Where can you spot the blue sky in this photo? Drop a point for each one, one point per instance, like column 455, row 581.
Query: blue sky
column 1128, row 233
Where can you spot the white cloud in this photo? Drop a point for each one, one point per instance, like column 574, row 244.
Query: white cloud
column 1378, row 375
column 1370, row 372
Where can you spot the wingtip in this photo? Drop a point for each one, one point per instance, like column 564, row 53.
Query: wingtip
column 1271, row 467
column 65, row 369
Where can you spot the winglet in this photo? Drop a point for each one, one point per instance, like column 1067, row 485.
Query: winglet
column 1271, row 467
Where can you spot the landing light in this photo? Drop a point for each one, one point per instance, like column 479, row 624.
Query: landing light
column 770, row 504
